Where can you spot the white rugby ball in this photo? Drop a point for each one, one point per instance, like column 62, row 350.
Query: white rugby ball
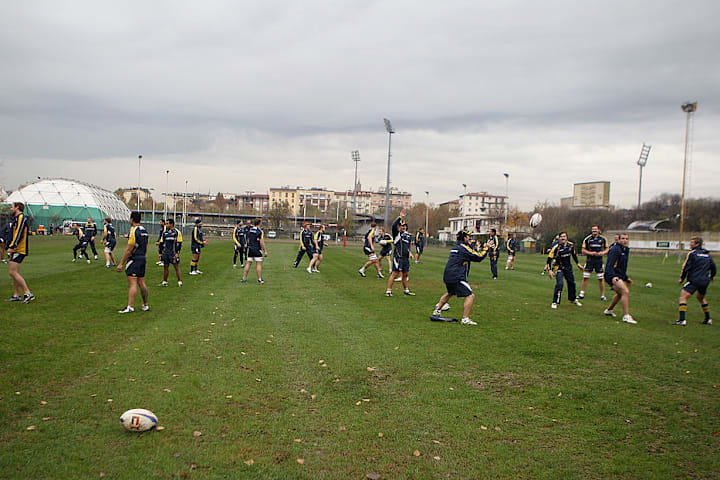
column 138, row 420
column 648, row 285
column 535, row 220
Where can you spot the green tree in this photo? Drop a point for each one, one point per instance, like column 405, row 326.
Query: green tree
column 279, row 213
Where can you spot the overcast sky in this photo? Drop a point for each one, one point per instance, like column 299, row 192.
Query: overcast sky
column 236, row 96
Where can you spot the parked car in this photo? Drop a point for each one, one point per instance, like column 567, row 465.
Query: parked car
column 272, row 234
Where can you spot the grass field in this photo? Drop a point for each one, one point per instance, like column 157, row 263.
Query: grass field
column 322, row 376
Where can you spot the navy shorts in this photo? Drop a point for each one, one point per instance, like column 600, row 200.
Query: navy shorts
column 368, row 251
column 195, row 250
column 401, row 265
column 168, row 259
column 310, row 252
column 254, row 253
column 111, row 244
column 691, row 288
column 135, row 268
column 17, row 257
column 594, row 264
column 419, row 249
column 609, row 281
column 459, row 289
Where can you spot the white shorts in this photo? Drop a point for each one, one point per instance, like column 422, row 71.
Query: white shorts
column 510, row 257
column 372, row 257
column 107, row 250
column 255, row 259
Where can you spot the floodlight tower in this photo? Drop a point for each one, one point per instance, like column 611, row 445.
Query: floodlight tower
column 138, row 189
column 427, row 213
column 167, row 187
column 507, row 198
column 389, row 129
column 355, row 154
column 689, row 108
column 642, row 161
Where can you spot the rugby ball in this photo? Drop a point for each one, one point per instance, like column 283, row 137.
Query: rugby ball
column 535, row 220
column 138, row 420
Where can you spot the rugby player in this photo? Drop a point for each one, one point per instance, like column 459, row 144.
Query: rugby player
column 197, row 242
column 82, row 243
column 402, row 253
column 494, row 252
column 386, row 243
column 17, row 250
column 109, row 241
column 319, row 242
column 256, row 250
column 135, row 269
column 512, row 248
column 158, row 242
column 456, row 274
column 616, row 276
column 419, row 243
column 90, row 234
column 307, row 247
column 559, row 266
column 595, row 246
column 369, row 250
column 240, row 242
column 697, row 273
column 172, row 244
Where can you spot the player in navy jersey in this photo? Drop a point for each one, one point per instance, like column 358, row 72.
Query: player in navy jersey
column 698, row 271
column 256, row 250
column 402, row 254
column 17, row 250
column 134, row 260
column 560, row 267
column 307, row 247
column 158, row 242
column 455, row 275
column 91, row 231
column 240, row 243
column 109, row 241
column 82, row 243
column 616, row 276
column 172, row 244
column 419, row 244
column 512, row 246
column 595, row 246
column 4, row 238
column 319, row 242
column 369, row 250
column 197, row 242
column 494, row 252
column 386, row 246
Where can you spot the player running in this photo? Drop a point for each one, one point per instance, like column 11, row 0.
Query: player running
column 135, row 269
column 256, row 250
column 402, row 253
column 17, row 250
column 369, row 250
column 697, row 273
column 512, row 246
column 109, row 241
column 456, row 274
column 595, row 246
column 82, row 243
column 419, row 243
column 90, row 234
column 558, row 262
column 307, row 247
column 616, row 276
column 319, row 242
column 172, row 244
column 494, row 252
column 240, row 242
column 197, row 242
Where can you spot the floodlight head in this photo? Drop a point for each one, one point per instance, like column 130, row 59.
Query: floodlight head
column 642, row 161
column 355, row 154
column 689, row 107
column 644, row 154
column 388, row 126
column 507, row 175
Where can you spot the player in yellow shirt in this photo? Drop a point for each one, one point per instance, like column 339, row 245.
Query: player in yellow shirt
column 17, row 250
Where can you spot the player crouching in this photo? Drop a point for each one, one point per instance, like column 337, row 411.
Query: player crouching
column 456, row 273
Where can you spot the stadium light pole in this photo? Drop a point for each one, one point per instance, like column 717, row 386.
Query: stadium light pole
column 427, row 213
column 167, row 187
column 689, row 109
column 507, row 196
column 138, row 189
column 185, row 205
column 389, row 129
column 355, row 154
column 642, row 161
